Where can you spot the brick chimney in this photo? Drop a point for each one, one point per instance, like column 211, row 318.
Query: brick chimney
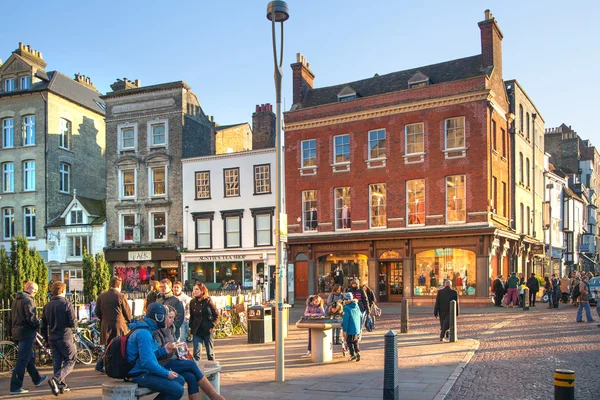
column 125, row 84
column 85, row 81
column 303, row 79
column 491, row 44
column 263, row 127
column 31, row 55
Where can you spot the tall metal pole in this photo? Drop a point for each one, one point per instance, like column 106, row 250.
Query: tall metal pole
column 277, row 11
column 550, row 230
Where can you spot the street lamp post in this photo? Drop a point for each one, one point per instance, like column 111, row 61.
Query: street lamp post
column 550, row 186
column 277, row 11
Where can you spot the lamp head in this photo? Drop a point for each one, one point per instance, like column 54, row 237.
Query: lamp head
column 277, row 11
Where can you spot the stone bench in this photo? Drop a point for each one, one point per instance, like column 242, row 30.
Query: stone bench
column 120, row 390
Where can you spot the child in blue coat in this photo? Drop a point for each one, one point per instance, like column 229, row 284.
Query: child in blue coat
column 351, row 325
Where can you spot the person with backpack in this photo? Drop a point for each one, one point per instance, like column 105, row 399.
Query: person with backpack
column 351, row 324
column 58, row 321
column 203, row 319
column 584, row 300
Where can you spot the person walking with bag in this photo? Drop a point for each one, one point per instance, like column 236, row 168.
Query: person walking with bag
column 113, row 311
column 203, row 319
column 58, row 321
column 548, row 291
column 584, row 300
column 511, row 293
column 24, row 323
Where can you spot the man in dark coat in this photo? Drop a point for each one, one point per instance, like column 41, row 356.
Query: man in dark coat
column 114, row 313
column 442, row 307
column 168, row 299
column 534, row 287
column 24, row 322
column 498, row 288
column 58, row 321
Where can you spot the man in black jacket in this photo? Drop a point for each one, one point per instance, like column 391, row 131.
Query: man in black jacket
column 58, row 321
column 442, row 307
column 498, row 288
column 168, row 299
column 24, row 323
column 534, row 287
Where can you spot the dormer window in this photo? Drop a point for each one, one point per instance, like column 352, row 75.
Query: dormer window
column 76, row 217
column 347, row 93
column 419, row 79
column 25, row 83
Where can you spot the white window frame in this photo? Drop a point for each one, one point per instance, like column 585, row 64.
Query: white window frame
column 238, row 233
column 262, row 179
column 8, row 220
column 122, row 184
column 151, row 232
column 9, row 85
column 377, row 140
column 335, row 149
column 8, row 133
column 204, row 176
column 372, row 207
column 446, row 131
column 122, row 227
column 226, row 182
column 27, row 80
column 120, row 129
column 268, row 231
column 207, row 234
column 464, row 200
column 415, row 202
column 73, row 221
column 338, row 207
column 71, row 242
column 65, row 178
column 28, row 175
column 29, row 130
column 150, row 138
column 65, row 134
column 151, row 181
column 306, row 146
column 309, row 198
column 8, row 177
column 416, row 135
column 29, row 219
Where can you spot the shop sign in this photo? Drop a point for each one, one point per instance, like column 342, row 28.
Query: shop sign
column 139, row 255
column 76, row 284
column 232, row 257
column 537, row 249
column 169, row 264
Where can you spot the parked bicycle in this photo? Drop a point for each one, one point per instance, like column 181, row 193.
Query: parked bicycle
column 224, row 326
column 84, row 337
column 240, row 317
column 44, row 354
column 8, row 356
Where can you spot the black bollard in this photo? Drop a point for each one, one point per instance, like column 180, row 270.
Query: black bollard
column 564, row 384
column 404, row 316
column 391, row 391
column 453, row 333
column 525, row 299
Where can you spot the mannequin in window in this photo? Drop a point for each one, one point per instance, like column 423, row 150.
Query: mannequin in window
column 338, row 276
column 345, row 216
column 312, row 217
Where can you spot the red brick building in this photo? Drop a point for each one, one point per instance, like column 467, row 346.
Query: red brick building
column 402, row 180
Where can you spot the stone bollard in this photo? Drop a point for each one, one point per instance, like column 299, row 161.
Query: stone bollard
column 453, row 332
column 391, row 390
column 118, row 390
column 564, row 384
column 525, row 299
column 404, row 316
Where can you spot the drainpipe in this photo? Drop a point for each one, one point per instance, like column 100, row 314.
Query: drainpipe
column 490, row 180
column 533, row 192
column 45, row 163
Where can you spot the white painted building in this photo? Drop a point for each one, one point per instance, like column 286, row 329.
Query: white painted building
column 81, row 227
column 554, row 227
column 229, row 206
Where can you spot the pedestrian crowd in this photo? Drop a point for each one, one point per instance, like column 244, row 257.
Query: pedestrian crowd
column 356, row 308
column 156, row 355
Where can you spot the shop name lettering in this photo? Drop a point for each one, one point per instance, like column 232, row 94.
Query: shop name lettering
column 139, row 255
column 223, row 258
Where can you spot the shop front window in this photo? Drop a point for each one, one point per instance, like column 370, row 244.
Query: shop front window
column 201, row 272
column 229, row 274
column 350, row 265
column 433, row 267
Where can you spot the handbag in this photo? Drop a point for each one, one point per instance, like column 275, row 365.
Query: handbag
column 545, row 298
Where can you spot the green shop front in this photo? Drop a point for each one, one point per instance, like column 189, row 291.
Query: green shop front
column 248, row 270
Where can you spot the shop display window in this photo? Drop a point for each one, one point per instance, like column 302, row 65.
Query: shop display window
column 341, row 268
column 432, row 267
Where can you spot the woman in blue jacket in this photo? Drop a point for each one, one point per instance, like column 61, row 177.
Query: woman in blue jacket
column 351, row 325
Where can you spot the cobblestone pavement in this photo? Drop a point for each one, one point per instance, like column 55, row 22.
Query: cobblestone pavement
column 517, row 357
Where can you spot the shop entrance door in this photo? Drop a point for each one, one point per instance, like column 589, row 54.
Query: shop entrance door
column 301, row 280
column 383, row 282
column 395, row 282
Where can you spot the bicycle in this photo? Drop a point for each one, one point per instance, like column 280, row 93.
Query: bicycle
column 82, row 338
column 241, row 319
column 224, row 327
column 44, row 353
column 9, row 354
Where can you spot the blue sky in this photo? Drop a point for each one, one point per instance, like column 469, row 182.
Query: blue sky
column 223, row 50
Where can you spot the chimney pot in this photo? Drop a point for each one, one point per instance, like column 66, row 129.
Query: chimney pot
column 20, row 45
column 488, row 14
